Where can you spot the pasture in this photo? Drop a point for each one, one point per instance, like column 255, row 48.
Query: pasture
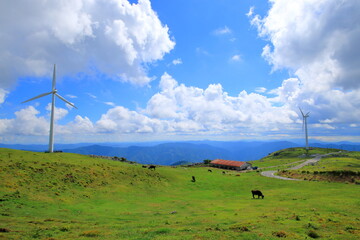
column 339, row 167
column 70, row 196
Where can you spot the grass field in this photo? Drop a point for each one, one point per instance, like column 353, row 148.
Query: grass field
column 70, row 196
column 340, row 166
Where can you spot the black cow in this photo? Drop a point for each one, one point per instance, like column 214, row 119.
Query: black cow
column 209, row 170
column 153, row 167
column 193, row 179
column 257, row 193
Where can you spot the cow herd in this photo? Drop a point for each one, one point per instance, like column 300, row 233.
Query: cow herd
column 254, row 193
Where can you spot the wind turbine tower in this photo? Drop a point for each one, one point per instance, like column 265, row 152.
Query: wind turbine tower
column 305, row 116
column 53, row 93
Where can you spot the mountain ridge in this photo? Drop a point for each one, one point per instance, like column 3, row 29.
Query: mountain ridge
column 169, row 153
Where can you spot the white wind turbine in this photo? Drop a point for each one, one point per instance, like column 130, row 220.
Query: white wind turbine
column 53, row 92
column 305, row 116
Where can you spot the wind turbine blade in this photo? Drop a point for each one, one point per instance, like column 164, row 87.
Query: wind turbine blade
column 54, row 79
column 71, row 104
column 41, row 95
column 307, row 114
column 301, row 112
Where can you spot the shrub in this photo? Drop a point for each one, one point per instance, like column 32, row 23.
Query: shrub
column 280, row 234
column 162, row 231
column 92, row 233
column 64, row 229
column 310, row 225
column 240, row 228
column 313, row 234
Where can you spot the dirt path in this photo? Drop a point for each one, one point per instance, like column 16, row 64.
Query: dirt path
column 307, row 162
column 272, row 175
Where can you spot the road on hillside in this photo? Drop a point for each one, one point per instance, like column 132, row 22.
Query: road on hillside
column 272, row 175
column 307, row 162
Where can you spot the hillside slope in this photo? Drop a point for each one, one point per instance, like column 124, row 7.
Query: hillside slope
column 71, row 196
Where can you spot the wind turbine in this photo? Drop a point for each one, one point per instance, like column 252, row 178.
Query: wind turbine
column 305, row 116
column 54, row 93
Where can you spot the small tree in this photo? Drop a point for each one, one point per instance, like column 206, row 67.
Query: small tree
column 207, row 161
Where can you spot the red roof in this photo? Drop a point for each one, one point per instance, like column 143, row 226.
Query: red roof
column 227, row 162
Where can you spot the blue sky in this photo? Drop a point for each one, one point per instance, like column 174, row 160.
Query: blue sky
column 180, row 70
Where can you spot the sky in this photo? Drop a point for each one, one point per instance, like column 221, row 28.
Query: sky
column 180, row 70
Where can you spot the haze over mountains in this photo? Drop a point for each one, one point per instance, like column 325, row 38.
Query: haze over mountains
column 173, row 153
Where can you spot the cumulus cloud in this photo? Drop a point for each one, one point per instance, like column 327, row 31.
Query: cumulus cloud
column 115, row 36
column 176, row 108
column 59, row 113
column 120, row 119
column 317, row 41
column 193, row 111
column 212, row 108
column 26, row 122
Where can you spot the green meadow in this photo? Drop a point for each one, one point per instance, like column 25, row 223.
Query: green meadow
column 71, row 196
column 341, row 166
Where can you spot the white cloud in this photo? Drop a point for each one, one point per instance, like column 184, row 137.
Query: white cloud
column 59, row 113
column 177, row 61
column 251, row 12
column 3, row 94
column 25, row 122
column 113, row 35
column 120, row 119
column 92, row 95
column 81, row 125
column 222, row 31
column 236, row 58
column 260, row 89
column 212, row 108
column 326, row 126
column 110, row 104
column 192, row 111
column 317, row 41
column 71, row 96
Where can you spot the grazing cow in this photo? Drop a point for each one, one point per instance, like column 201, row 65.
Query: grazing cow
column 209, row 170
column 224, row 172
column 257, row 193
column 193, row 179
column 144, row 166
column 153, row 167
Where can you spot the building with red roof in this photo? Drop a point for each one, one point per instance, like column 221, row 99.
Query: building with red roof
column 231, row 165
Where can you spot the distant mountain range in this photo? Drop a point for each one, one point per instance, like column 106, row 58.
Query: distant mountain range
column 183, row 152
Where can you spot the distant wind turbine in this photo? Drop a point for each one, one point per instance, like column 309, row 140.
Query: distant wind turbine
column 53, row 92
column 305, row 116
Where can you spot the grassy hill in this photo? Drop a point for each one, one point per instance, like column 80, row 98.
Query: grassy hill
column 341, row 166
column 71, row 196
